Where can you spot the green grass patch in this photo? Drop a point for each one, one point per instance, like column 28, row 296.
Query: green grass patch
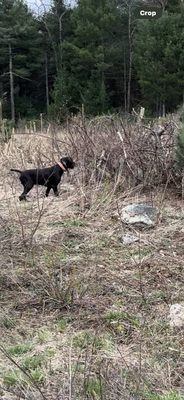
column 119, row 315
column 138, row 252
column 101, row 342
column 49, row 352
column 158, row 295
column 17, row 377
column 11, row 378
column 62, row 324
column 37, row 375
column 93, row 388
column 172, row 395
column 20, row 349
column 8, row 323
column 33, row 362
column 43, row 336
column 68, row 223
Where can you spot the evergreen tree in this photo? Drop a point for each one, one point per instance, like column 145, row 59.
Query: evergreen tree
column 19, row 29
column 159, row 62
column 90, row 57
column 95, row 54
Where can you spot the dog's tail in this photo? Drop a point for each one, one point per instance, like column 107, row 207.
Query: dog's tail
column 16, row 170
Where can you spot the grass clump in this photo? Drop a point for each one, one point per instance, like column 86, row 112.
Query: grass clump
column 61, row 324
column 6, row 322
column 93, row 388
column 33, row 365
column 33, row 362
column 11, row 378
column 20, row 349
column 37, row 375
column 85, row 339
column 43, row 336
column 119, row 315
column 171, row 395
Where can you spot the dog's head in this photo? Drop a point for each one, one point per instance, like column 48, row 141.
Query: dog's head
column 67, row 162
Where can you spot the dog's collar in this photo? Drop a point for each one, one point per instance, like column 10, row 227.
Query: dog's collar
column 62, row 166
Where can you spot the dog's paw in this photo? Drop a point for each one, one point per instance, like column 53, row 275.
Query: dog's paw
column 22, row 198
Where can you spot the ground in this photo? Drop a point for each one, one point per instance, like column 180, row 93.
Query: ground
column 82, row 315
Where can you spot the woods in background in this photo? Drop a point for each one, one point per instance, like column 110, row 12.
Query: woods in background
column 96, row 53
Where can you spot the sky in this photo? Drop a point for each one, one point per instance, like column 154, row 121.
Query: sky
column 39, row 6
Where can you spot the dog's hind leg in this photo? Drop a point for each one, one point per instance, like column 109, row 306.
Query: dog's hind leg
column 27, row 187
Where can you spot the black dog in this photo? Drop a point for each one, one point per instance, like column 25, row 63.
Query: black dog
column 49, row 177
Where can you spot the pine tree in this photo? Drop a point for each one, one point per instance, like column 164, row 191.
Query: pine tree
column 91, row 57
column 159, row 60
column 19, row 31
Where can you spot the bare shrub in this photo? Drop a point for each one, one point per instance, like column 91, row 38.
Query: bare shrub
column 125, row 152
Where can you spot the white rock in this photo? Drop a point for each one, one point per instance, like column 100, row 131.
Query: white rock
column 140, row 215
column 176, row 315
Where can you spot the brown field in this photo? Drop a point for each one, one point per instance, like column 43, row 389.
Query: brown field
column 83, row 316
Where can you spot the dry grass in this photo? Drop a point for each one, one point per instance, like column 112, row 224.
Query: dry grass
column 83, row 316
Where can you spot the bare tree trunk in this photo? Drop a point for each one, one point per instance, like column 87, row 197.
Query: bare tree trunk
column 46, row 82
column 163, row 109
column 130, row 57
column 1, row 112
column 1, row 120
column 60, row 37
column 50, row 37
column 125, row 84
column 11, row 85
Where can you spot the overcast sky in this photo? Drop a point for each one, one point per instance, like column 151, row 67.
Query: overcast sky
column 38, row 5
column 41, row 5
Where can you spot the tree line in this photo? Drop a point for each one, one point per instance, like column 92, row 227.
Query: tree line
column 96, row 53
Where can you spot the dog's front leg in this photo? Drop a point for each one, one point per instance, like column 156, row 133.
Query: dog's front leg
column 55, row 189
column 47, row 191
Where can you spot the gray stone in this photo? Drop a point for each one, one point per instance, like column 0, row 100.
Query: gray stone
column 176, row 315
column 140, row 215
column 129, row 239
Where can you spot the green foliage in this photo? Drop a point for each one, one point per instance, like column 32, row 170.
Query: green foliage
column 181, row 114
column 174, row 6
column 179, row 158
column 159, row 60
column 19, row 28
column 172, row 395
column 88, row 50
column 87, row 57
